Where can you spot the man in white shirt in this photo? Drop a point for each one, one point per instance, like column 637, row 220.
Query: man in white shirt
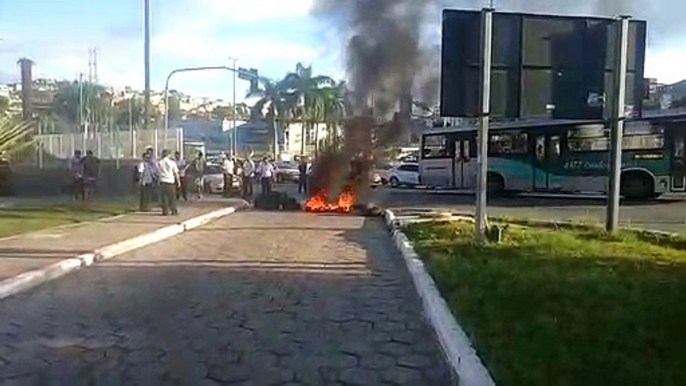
column 182, row 191
column 248, row 175
column 145, row 175
column 168, row 172
column 266, row 171
column 228, row 170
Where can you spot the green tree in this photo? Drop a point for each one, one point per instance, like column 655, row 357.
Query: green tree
column 275, row 104
column 128, row 112
column 4, row 105
column 306, row 89
column 89, row 101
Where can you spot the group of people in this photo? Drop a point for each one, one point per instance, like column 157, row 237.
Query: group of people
column 83, row 172
column 170, row 178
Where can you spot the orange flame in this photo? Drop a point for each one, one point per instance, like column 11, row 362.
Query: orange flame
column 320, row 202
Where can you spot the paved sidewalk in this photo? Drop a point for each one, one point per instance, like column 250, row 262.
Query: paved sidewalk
column 256, row 298
column 22, row 253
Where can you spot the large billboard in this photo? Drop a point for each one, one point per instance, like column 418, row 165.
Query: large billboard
column 550, row 66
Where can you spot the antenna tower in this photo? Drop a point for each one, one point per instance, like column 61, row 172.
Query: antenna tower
column 93, row 65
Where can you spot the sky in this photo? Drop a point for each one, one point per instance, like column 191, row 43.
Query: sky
column 270, row 35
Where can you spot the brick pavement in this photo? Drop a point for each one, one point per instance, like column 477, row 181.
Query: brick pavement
column 256, row 298
column 39, row 249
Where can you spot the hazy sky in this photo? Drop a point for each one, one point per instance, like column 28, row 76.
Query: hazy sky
column 272, row 35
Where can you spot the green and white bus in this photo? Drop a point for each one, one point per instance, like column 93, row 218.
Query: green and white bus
column 559, row 157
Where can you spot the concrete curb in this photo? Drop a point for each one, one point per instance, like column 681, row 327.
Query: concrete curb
column 28, row 280
column 456, row 346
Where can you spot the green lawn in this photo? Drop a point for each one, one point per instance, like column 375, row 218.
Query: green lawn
column 26, row 219
column 566, row 306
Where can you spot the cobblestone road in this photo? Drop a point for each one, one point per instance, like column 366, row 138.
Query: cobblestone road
column 252, row 299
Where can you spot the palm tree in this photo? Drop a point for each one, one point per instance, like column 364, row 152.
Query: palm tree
column 275, row 99
column 14, row 137
column 306, row 89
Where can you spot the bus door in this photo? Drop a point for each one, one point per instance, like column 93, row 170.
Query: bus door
column 462, row 166
column 679, row 162
column 546, row 155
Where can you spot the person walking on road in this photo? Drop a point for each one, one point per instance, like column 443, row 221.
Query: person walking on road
column 197, row 171
column 169, row 182
column 145, row 172
column 248, row 176
column 183, row 185
column 228, row 166
column 266, row 171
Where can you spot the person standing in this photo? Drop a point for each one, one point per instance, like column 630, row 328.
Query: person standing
column 75, row 170
column 304, row 171
column 183, row 186
column 197, row 171
column 145, row 175
column 266, row 171
column 169, row 182
column 248, row 176
column 228, row 166
column 91, row 171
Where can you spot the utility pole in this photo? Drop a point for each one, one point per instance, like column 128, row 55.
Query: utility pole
column 146, row 108
column 82, row 124
column 617, row 120
column 484, row 121
column 233, row 144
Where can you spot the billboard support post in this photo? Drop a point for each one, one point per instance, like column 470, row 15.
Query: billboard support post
column 617, row 123
column 486, row 55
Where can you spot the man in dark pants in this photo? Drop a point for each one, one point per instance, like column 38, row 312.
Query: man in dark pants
column 304, row 169
column 248, row 176
column 145, row 175
column 169, row 182
column 266, row 171
column 182, row 191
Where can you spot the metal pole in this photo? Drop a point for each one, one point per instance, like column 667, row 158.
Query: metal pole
column 133, row 146
column 146, row 122
column 82, row 125
column 484, row 120
column 166, row 107
column 234, row 131
column 618, row 116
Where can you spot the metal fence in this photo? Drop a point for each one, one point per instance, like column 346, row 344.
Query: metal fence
column 112, row 145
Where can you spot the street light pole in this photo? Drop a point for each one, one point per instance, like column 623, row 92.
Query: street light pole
column 146, row 107
column 188, row 69
column 234, row 131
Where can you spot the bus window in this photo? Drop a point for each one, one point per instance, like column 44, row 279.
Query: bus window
column 435, row 146
column 554, row 150
column 643, row 137
column 540, row 148
column 679, row 147
column 509, row 143
column 588, row 138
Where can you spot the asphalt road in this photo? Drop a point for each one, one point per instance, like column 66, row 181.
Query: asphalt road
column 256, row 298
column 668, row 214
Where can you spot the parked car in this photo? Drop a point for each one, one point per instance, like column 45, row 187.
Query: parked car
column 380, row 173
column 406, row 174
column 287, row 172
column 214, row 179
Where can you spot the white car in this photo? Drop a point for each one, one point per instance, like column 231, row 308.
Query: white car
column 287, row 172
column 406, row 174
column 214, row 179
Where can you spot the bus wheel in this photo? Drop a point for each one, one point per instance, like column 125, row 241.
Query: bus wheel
column 495, row 184
column 637, row 185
